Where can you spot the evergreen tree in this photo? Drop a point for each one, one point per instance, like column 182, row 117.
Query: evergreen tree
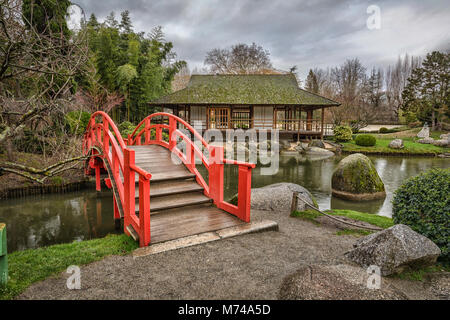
column 125, row 24
column 427, row 93
column 93, row 22
column 47, row 16
column 311, row 82
column 111, row 20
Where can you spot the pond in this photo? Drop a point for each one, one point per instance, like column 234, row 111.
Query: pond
column 60, row 218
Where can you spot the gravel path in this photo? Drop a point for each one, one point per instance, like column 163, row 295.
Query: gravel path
column 245, row 267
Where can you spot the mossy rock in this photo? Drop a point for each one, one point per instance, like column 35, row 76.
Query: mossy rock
column 356, row 178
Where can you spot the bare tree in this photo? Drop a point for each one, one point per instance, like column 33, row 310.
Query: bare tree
column 396, row 80
column 240, row 59
column 38, row 65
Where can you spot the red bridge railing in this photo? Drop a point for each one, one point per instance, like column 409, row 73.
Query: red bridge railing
column 103, row 141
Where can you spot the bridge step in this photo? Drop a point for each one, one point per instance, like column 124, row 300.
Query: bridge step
column 159, row 204
column 171, row 187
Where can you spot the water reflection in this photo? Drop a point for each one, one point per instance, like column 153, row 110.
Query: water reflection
column 315, row 175
column 41, row 221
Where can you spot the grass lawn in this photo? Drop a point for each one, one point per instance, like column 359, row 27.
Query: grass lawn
column 409, row 141
column 33, row 265
column 419, row 275
column 379, row 221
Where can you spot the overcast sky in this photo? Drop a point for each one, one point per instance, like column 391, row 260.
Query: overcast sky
column 306, row 33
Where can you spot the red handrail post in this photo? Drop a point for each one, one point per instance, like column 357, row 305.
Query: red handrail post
column 244, row 193
column 147, row 131
column 172, row 136
column 105, row 137
column 144, row 211
column 158, row 133
column 98, row 185
column 129, row 186
column 216, row 174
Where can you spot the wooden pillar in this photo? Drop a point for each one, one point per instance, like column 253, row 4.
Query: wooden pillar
column 323, row 117
column 309, row 117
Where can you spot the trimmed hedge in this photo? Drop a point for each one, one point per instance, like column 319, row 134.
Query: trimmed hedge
column 423, row 203
column 365, row 140
column 384, row 130
column 342, row 133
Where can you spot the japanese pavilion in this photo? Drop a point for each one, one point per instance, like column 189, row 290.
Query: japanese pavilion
column 250, row 101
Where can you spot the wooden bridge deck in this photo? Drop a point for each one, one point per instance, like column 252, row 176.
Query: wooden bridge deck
column 178, row 207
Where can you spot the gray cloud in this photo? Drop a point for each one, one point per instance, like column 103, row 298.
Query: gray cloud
column 306, row 33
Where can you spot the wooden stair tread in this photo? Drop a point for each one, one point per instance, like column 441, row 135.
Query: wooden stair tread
column 172, row 187
column 190, row 221
column 166, row 176
column 175, row 201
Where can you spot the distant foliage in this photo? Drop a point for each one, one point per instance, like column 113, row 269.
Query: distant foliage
column 365, row 140
column 384, row 130
column 77, row 121
column 136, row 66
column 423, row 203
column 342, row 133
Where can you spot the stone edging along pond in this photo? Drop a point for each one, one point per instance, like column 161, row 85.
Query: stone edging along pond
column 399, row 154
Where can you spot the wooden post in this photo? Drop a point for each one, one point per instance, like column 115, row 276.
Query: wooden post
column 172, row 134
column 244, row 187
column 216, row 174
column 129, row 187
column 3, row 255
column 98, row 185
column 147, row 130
column 323, row 117
column 144, row 212
column 309, row 117
column 294, row 203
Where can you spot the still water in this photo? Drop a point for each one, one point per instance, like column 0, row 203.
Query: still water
column 60, row 218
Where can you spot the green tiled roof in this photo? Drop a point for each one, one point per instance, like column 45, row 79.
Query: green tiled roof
column 279, row 89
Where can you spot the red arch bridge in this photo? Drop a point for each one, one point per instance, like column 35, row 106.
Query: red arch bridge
column 158, row 198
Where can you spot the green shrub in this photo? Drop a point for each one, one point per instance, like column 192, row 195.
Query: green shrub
column 410, row 117
column 365, row 140
column 77, row 121
column 423, row 203
column 126, row 128
column 384, row 130
column 342, row 133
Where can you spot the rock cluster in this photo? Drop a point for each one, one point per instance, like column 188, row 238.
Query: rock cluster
column 394, row 250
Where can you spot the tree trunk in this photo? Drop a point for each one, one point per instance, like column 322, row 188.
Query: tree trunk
column 433, row 120
column 9, row 148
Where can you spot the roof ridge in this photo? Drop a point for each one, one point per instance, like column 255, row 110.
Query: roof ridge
column 318, row 95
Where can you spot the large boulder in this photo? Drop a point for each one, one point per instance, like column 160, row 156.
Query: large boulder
column 396, row 144
column 427, row 140
column 334, row 282
column 356, row 178
column 445, row 136
column 441, row 143
column 317, row 143
column 394, row 250
column 278, row 197
column 315, row 151
column 424, row 133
